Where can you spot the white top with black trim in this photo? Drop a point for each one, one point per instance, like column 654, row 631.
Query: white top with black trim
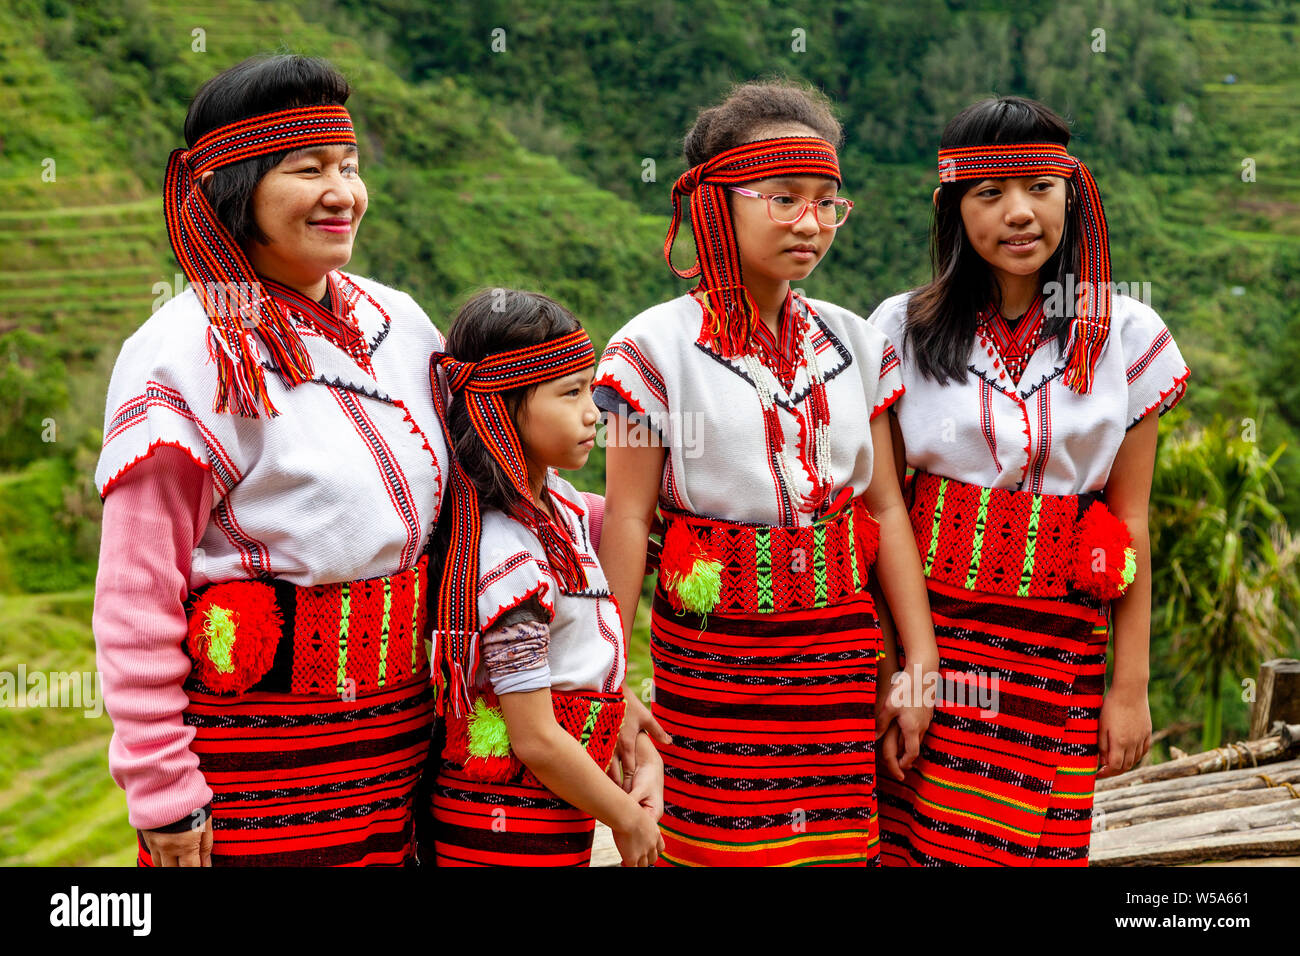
column 705, row 410
column 345, row 483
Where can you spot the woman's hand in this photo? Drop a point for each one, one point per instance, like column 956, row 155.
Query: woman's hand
column 636, row 719
column 1124, row 731
column 647, row 783
column 190, row 848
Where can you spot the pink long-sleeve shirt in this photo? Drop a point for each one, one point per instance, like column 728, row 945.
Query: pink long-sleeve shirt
column 154, row 518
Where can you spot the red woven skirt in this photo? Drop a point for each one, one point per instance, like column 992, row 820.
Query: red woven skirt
column 773, row 756
column 506, row 824
column 1004, row 778
column 312, row 781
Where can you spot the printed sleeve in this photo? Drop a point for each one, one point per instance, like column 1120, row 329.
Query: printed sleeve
column 1154, row 367
column 629, row 383
column 148, row 407
column 515, row 655
column 511, row 572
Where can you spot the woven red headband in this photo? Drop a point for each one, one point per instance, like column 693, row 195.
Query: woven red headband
column 1091, row 325
column 216, row 266
column 717, row 256
column 480, row 384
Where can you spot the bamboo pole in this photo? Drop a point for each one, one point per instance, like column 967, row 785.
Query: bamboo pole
column 1249, row 778
column 1274, row 841
column 1160, row 832
column 1243, row 754
column 1190, row 806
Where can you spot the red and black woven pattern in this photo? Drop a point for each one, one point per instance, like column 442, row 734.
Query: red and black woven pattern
column 1007, row 767
column 307, row 781
column 480, row 384
column 216, row 266
column 986, row 549
column 1007, row 160
column 771, row 570
column 772, row 718
column 329, row 640
column 717, row 255
column 505, row 824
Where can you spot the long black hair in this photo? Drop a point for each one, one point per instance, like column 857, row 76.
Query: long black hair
column 261, row 84
column 498, row 320
column 941, row 316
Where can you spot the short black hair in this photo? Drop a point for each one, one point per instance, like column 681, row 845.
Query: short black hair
column 261, row 84
column 493, row 321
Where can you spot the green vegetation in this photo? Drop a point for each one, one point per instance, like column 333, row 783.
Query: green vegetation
column 528, row 166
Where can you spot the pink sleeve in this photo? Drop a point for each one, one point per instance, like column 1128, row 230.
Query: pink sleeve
column 154, row 517
column 595, row 515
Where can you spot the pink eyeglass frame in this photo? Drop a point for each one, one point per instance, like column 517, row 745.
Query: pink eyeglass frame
column 804, row 209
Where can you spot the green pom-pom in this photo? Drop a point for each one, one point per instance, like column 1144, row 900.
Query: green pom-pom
column 1130, row 567
column 488, row 736
column 699, row 591
column 219, row 629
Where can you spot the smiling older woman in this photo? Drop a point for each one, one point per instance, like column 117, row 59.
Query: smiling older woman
column 273, row 467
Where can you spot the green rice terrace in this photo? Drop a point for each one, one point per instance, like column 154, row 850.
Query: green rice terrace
column 527, row 169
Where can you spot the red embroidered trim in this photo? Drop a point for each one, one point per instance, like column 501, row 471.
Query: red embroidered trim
column 154, row 446
column 894, row 396
column 1179, row 386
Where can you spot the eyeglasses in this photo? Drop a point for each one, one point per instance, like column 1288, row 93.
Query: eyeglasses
column 787, row 208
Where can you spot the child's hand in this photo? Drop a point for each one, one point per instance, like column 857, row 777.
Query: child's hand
column 638, row 840
column 648, row 780
column 1124, row 729
column 190, row 848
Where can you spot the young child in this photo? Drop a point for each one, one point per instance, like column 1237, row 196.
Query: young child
column 751, row 416
column 1028, row 420
column 527, row 626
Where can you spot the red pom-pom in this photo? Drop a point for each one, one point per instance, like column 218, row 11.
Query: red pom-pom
column 233, row 633
column 486, row 769
column 677, row 558
column 1102, row 566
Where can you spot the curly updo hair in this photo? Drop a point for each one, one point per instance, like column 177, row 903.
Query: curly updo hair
column 751, row 109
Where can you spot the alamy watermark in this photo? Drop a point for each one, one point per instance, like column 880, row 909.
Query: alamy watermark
column 80, row 690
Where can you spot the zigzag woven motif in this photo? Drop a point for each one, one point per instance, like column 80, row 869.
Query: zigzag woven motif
column 337, row 640
column 993, row 539
column 768, row 569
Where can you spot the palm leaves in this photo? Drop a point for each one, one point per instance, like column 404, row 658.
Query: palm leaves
column 1224, row 563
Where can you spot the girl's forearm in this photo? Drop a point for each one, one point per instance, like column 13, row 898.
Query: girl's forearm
column 622, row 557
column 564, row 768
column 898, row 569
column 888, row 632
column 1131, row 617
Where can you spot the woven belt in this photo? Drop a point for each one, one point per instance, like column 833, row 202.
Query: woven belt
column 768, row 569
column 479, row 743
column 328, row 640
column 1019, row 544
